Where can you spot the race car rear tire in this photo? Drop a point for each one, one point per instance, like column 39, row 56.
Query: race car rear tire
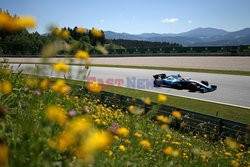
column 204, row 82
column 154, row 83
column 192, row 87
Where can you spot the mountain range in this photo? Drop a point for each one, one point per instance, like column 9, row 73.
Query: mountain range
column 195, row 37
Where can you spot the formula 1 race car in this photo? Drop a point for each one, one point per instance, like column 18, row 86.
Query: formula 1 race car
column 178, row 82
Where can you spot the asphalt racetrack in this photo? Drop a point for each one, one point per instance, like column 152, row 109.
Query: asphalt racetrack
column 232, row 89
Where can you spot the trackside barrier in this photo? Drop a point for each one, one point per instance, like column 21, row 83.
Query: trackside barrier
column 214, row 128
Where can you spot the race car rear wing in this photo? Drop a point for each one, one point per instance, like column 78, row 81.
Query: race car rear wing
column 159, row 75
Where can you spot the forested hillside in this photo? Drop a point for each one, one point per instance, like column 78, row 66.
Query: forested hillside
column 129, row 44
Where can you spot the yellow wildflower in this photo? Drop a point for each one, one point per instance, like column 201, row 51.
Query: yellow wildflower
column 145, row 144
column 147, row 101
column 57, row 31
column 176, row 114
column 3, row 154
column 168, row 150
column 61, row 67
column 127, row 141
column 94, row 87
column 228, row 154
column 81, row 30
column 96, row 33
column 232, row 143
column 175, row 153
column 110, row 153
column 239, row 155
column 164, row 126
column 122, row 148
column 98, row 121
column 162, row 98
column 163, row 119
column 82, row 55
column 138, row 135
column 65, row 34
column 176, row 142
column 131, row 108
column 96, row 141
column 5, row 19
column 25, row 22
column 56, row 114
column 64, row 141
column 203, row 157
column 122, row 131
column 65, row 89
column 235, row 163
column 10, row 23
column 78, row 126
column 5, row 87
column 116, row 137
column 44, row 84
column 168, row 136
column 60, row 87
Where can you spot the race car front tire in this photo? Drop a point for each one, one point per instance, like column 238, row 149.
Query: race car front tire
column 204, row 82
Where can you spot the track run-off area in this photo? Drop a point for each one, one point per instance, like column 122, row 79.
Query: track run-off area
column 237, row 63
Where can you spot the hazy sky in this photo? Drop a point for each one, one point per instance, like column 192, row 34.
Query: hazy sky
column 135, row 16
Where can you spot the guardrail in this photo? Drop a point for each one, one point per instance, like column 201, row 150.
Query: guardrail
column 214, row 127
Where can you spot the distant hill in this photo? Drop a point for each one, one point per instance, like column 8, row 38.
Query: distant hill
column 203, row 33
column 196, row 37
column 114, row 35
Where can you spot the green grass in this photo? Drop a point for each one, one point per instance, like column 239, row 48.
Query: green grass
column 224, row 111
column 213, row 71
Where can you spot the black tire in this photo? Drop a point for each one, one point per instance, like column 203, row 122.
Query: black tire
column 192, row 87
column 154, row 83
column 204, row 82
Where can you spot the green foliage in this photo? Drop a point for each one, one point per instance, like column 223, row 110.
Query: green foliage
column 22, row 42
column 25, row 43
column 132, row 44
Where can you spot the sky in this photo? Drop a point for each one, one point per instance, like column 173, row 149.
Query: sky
column 134, row 16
